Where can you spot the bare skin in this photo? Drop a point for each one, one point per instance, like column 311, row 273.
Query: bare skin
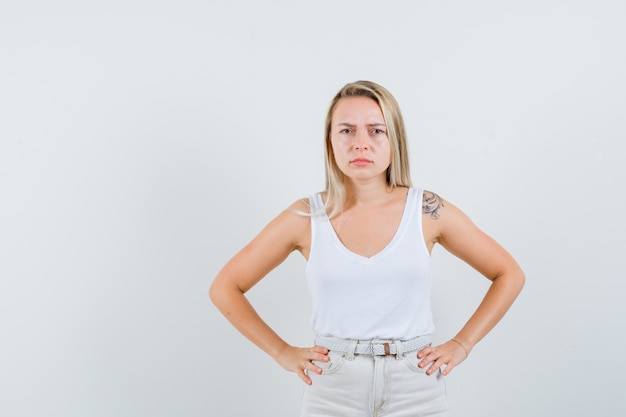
column 368, row 221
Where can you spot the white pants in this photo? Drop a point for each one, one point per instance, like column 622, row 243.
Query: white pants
column 374, row 386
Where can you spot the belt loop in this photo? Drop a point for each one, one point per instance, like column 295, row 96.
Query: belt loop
column 399, row 349
column 351, row 349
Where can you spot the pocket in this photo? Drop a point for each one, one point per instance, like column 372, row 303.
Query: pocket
column 411, row 361
column 334, row 363
column 434, row 386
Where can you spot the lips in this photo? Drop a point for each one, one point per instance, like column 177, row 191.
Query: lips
column 360, row 161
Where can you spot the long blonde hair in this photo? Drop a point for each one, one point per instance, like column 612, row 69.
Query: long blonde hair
column 398, row 174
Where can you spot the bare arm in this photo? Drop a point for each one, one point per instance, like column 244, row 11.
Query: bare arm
column 286, row 233
column 456, row 233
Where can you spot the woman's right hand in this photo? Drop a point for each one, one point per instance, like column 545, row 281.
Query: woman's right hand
column 299, row 360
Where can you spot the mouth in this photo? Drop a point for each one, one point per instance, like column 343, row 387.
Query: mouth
column 360, row 161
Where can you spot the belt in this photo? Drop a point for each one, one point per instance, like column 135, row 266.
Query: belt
column 373, row 347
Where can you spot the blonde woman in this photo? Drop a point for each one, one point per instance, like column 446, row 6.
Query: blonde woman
column 367, row 240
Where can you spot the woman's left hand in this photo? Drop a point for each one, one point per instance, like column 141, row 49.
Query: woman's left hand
column 449, row 354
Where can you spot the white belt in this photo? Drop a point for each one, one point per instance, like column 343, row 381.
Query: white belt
column 373, row 347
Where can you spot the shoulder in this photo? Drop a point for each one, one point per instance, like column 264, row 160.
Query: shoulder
column 442, row 218
column 296, row 221
column 288, row 230
column 300, row 207
column 435, row 207
column 297, row 212
column 432, row 204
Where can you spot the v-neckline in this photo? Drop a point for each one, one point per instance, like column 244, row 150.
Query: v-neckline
column 396, row 236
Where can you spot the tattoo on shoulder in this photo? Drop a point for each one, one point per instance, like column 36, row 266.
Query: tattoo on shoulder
column 431, row 204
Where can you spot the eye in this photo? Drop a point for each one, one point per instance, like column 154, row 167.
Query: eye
column 345, row 131
column 377, row 131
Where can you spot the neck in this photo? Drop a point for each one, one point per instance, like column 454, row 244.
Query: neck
column 367, row 193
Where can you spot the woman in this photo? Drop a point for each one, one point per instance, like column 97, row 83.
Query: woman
column 367, row 240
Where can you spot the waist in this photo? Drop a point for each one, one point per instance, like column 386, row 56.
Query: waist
column 376, row 347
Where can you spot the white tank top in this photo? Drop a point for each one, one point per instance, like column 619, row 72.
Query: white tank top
column 385, row 296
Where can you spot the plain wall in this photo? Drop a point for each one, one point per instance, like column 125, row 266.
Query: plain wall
column 143, row 143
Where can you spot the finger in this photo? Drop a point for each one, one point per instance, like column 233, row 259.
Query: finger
column 449, row 367
column 425, row 352
column 439, row 359
column 428, row 361
column 309, row 366
column 428, row 355
column 433, row 368
column 446, row 361
column 303, row 376
column 320, row 357
column 436, row 366
column 308, row 359
column 320, row 349
column 318, row 353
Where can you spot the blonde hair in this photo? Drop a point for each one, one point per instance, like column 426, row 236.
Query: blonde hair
column 398, row 174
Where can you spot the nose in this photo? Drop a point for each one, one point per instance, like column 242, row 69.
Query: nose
column 360, row 142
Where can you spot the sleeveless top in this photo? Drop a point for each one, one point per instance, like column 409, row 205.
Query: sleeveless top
column 385, row 296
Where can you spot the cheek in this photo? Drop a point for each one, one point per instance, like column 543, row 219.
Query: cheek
column 338, row 150
column 385, row 149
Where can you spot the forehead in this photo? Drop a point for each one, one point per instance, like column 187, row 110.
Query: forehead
column 355, row 109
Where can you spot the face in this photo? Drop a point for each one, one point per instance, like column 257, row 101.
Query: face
column 358, row 136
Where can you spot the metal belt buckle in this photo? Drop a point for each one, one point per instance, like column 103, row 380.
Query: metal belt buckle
column 387, row 350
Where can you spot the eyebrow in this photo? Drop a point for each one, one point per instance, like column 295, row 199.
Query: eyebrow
column 369, row 124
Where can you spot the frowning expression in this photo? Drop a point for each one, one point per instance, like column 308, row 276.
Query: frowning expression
column 359, row 138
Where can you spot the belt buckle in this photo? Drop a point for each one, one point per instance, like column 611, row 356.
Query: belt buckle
column 386, row 349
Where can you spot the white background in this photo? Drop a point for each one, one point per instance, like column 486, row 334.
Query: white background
column 142, row 143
